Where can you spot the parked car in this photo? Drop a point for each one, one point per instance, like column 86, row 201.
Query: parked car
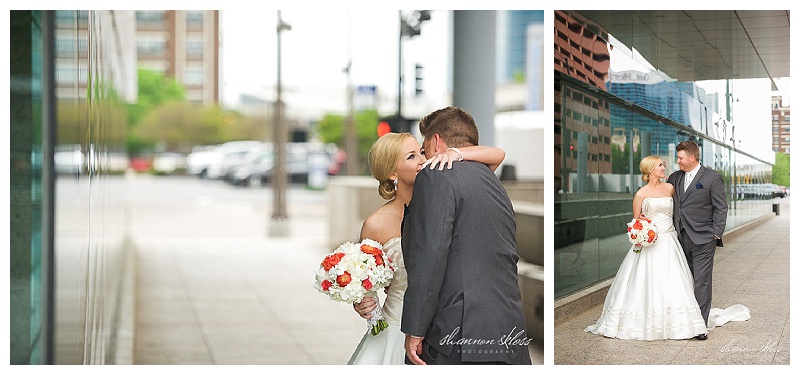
column 233, row 160
column 198, row 160
column 208, row 162
column 169, row 162
column 776, row 191
column 259, row 171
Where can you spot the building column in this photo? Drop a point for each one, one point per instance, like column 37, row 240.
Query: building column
column 474, row 43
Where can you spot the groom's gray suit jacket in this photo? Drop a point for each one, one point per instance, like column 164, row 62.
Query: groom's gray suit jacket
column 459, row 248
column 702, row 209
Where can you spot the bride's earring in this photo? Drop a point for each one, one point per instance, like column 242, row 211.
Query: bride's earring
column 395, row 184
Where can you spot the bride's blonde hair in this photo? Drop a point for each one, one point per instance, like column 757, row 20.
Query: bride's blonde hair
column 384, row 155
column 647, row 165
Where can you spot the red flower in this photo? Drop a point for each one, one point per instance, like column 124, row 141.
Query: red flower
column 367, row 249
column 374, row 251
column 326, row 284
column 331, row 260
column 638, row 225
column 367, row 284
column 343, row 279
column 633, row 236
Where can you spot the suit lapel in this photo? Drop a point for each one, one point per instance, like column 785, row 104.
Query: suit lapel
column 681, row 182
column 692, row 183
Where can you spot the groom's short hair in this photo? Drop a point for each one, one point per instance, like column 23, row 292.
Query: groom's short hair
column 689, row 148
column 454, row 125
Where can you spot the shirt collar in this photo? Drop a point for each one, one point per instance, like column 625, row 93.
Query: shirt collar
column 694, row 171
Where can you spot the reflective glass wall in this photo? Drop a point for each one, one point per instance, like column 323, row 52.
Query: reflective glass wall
column 611, row 110
column 69, row 260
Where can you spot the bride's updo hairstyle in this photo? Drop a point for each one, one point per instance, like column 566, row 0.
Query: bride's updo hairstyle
column 384, row 155
column 647, row 165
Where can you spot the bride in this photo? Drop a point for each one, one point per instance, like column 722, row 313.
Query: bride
column 652, row 295
column 394, row 161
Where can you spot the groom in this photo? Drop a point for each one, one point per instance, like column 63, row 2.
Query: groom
column 700, row 212
column 463, row 303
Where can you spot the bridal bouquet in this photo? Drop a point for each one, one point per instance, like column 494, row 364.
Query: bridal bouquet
column 354, row 271
column 642, row 233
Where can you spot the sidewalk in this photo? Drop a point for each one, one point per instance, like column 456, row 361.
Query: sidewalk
column 220, row 291
column 752, row 269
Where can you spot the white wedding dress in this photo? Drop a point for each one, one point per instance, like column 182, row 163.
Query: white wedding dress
column 387, row 347
column 652, row 295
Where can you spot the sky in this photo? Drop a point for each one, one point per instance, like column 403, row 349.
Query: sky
column 318, row 47
column 320, row 43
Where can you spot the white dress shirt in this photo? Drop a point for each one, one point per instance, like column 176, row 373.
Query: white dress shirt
column 690, row 176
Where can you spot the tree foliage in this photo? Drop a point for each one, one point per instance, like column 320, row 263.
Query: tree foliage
column 154, row 89
column 780, row 171
column 331, row 129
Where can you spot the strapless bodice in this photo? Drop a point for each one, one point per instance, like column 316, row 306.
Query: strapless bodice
column 393, row 306
column 659, row 210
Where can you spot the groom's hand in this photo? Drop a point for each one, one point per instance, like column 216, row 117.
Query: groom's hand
column 414, row 349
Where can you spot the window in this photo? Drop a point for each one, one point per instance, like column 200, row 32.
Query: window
column 193, row 76
column 194, row 20
column 69, row 74
column 150, row 16
column 69, row 47
column 194, row 48
column 151, row 46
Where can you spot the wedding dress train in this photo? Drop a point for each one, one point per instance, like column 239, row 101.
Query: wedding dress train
column 387, row 347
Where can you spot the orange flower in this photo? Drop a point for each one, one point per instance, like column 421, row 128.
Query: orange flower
column 331, row 260
column 652, row 235
column 375, row 252
column 367, row 249
column 343, row 279
column 367, row 284
column 638, row 225
column 326, row 284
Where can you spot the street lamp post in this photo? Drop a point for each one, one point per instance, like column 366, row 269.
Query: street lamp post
column 279, row 225
column 410, row 26
column 351, row 136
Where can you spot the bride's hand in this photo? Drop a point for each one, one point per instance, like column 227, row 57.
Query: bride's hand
column 446, row 158
column 365, row 307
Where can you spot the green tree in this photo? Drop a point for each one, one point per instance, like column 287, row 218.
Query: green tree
column 331, row 130
column 780, row 171
column 178, row 126
column 620, row 159
column 154, row 89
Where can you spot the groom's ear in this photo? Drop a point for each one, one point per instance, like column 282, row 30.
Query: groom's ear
column 438, row 143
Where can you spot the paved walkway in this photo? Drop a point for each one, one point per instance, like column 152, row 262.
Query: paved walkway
column 752, row 269
column 213, row 288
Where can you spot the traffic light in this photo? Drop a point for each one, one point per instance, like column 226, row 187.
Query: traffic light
column 394, row 124
column 418, row 80
column 383, row 128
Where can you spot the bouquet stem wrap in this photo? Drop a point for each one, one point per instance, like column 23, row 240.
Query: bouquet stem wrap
column 376, row 322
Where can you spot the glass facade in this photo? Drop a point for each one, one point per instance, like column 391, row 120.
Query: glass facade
column 609, row 114
column 70, row 266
